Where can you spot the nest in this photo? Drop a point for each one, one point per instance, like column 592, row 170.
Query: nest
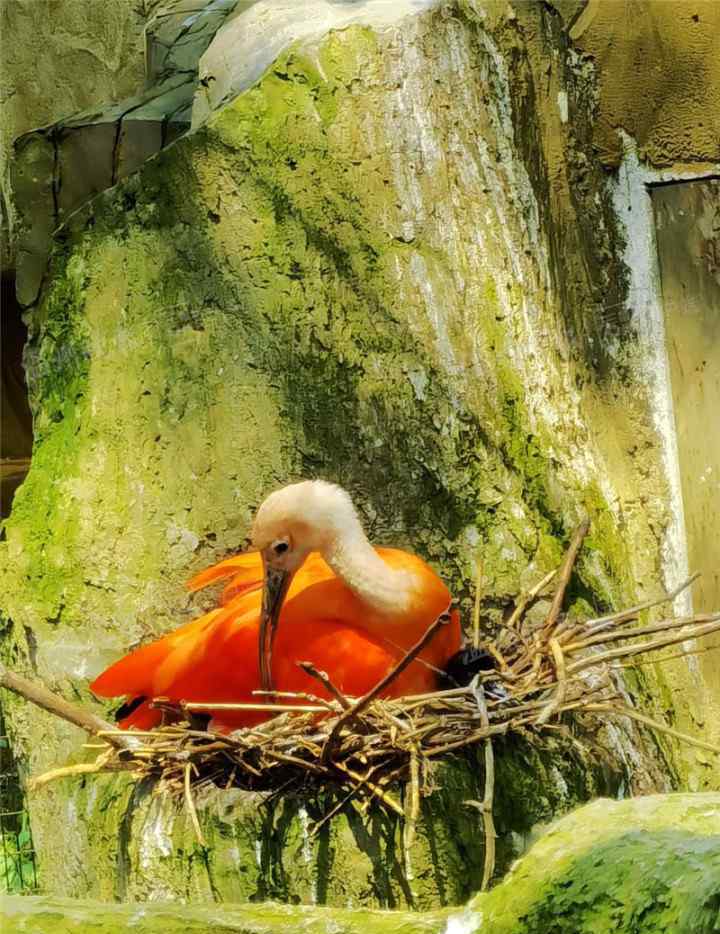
column 365, row 746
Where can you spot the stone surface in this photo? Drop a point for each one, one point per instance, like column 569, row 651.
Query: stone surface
column 42, row 915
column 58, row 168
column 646, row 866
column 287, row 293
column 688, row 242
column 127, row 841
column 251, row 40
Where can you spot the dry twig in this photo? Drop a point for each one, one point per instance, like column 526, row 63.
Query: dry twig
column 565, row 571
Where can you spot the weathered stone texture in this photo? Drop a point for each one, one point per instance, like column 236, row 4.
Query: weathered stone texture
column 659, row 75
column 60, row 57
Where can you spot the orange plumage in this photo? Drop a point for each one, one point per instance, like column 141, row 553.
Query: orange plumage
column 215, row 658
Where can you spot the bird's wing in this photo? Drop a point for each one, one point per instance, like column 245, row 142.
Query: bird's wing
column 152, row 669
column 134, row 674
column 187, row 654
column 245, row 572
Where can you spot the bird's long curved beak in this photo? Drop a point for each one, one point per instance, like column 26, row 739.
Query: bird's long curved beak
column 275, row 587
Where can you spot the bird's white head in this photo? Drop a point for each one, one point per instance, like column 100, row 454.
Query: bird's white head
column 300, row 518
column 292, row 522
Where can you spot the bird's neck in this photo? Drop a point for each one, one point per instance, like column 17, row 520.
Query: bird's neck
column 384, row 589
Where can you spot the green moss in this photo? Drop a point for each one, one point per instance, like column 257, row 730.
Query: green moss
column 643, row 866
column 647, row 866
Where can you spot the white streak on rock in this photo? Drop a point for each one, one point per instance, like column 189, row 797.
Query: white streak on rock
column 248, row 43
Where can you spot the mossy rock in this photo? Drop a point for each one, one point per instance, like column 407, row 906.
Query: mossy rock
column 256, row 847
column 643, row 866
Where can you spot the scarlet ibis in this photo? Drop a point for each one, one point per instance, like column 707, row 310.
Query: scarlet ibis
column 312, row 589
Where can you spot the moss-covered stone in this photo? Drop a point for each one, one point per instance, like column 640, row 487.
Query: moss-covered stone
column 644, row 866
column 129, row 841
column 43, row 915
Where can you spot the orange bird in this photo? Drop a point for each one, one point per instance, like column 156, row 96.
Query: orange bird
column 313, row 589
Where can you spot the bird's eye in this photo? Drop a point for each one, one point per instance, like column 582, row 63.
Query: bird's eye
column 280, row 547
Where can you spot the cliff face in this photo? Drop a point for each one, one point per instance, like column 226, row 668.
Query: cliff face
column 394, row 262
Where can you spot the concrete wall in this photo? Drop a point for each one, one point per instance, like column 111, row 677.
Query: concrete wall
column 658, row 65
column 60, row 57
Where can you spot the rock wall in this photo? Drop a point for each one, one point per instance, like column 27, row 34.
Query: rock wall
column 659, row 71
column 393, row 262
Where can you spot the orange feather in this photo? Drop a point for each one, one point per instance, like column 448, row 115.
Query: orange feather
column 215, row 657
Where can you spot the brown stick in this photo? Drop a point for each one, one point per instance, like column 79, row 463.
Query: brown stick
column 80, row 768
column 190, row 804
column 270, row 708
column 564, row 574
column 323, row 678
column 363, row 702
column 59, row 707
column 603, row 622
column 559, row 696
column 622, row 711
column 527, row 598
column 374, row 788
column 412, row 808
column 334, row 810
column 667, row 658
column 632, row 631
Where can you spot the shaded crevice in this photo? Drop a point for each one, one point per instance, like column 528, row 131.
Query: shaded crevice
column 139, row 793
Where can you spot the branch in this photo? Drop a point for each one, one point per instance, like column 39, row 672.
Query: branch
column 486, row 807
column 623, row 711
column 527, row 598
column 59, row 707
column 324, row 679
column 81, row 768
column 603, row 622
column 660, row 626
column 558, row 697
column 641, row 648
column 564, row 574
